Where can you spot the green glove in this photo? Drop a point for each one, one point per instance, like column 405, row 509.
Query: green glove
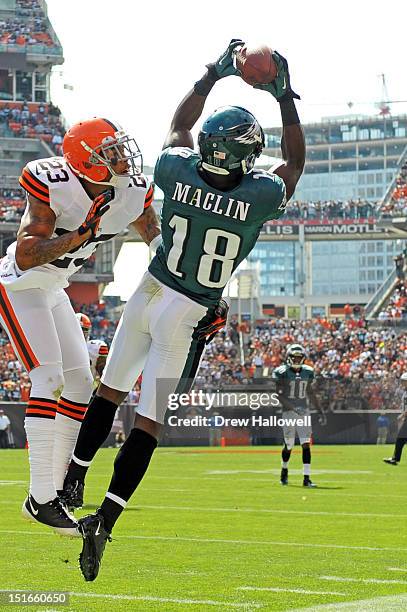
column 280, row 88
column 225, row 65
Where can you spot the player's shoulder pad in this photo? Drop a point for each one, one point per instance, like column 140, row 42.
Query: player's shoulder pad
column 40, row 176
column 270, row 189
column 103, row 348
column 280, row 371
column 169, row 159
column 309, row 369
column 142, row 184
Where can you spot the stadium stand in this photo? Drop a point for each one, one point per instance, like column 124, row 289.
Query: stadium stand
column 397, row 203
column 353, row 364
column 331, row 209
column 33, row 120
column 12, row 204
column 27, row 27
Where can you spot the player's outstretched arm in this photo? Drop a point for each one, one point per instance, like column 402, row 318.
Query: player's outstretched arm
column 35, row 247
column 292, row 142
column 191, row 107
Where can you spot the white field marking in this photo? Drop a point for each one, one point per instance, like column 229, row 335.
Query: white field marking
column 392, row 603
column 164, row 600
column 216, row 478
column 362, row 580
column 361, row 515
column 397, row 569
column 277, row 471
column 14, row 482
column 224, row 541
column 281, row 590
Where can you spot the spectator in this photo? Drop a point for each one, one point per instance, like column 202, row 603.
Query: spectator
column 382, row 424
column 4, row 429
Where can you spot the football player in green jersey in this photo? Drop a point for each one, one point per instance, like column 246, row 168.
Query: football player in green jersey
column 215, row 203
column 293, row 382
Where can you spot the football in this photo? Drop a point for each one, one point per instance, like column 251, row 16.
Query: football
column 256, row 64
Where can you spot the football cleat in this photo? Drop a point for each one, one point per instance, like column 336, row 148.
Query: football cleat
column 72, row 495
column 284, row 476
column 307, row 482
column 391, row 461
column 94, row 537
column 53, row 514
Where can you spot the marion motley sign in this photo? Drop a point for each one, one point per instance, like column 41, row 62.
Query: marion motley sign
column 336, row 227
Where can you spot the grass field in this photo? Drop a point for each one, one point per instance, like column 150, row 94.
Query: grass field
column 212, row 529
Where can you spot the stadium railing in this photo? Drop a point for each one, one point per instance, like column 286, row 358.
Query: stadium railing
column 376, row 301
column 390, row 189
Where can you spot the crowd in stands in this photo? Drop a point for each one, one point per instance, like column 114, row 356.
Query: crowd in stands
column 32, row 120
column 12, row 204
column 331, row 209
column 397, row 204
column 355, row 367
column 28, row 27
column 396, row 306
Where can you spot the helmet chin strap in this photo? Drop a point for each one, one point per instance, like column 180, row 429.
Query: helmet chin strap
column 214, row 169
column 116, row 180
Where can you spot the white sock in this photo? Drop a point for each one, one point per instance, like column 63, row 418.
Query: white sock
column 66, row 433
column 40, row 437
column 307, row 469
column 284, row 464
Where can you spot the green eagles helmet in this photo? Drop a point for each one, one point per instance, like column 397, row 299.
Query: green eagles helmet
column 295, row 356
column 231, row 138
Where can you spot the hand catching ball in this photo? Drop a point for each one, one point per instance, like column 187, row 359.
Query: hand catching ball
column 256, row 64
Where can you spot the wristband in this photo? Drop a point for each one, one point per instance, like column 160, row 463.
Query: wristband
column 155, row 243
column 205, row 84
column 289, row 113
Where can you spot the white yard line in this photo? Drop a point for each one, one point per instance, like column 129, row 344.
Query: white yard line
column 282, row 590
column 276, row 471
column 362, row 515
column 165, row 600
column 390, row 603
column 397, row 569
column 224, row 541
column 362, row 580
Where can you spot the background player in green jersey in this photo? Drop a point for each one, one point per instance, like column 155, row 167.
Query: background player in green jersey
column 293, row 382
column 215, row 204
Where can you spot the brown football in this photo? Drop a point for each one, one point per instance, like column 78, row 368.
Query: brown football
column 256, row 64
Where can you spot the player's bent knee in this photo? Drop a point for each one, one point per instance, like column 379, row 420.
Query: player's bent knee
column 113, row 395
column 289, row 444
column 78, row 380
column 148, row 425
column 47, row 380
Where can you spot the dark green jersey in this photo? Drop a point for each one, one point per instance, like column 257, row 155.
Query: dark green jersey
column 206, row 233
column 292, row 385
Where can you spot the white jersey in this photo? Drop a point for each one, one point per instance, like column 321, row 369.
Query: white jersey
column 96, row 349
column 53, row 182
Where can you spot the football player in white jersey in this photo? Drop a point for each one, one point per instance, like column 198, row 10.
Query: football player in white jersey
column 97, row 349
column 74, row 203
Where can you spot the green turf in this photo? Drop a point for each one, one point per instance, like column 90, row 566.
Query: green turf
column 206, row 522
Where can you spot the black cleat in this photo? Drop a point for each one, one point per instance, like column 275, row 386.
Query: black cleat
column 94, row 537
column 284, row 476
column 307, row 482
column 391, row 461
column 72, row 494
column 53, row 514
